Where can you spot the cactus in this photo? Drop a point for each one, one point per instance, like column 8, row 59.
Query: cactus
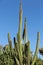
column 20, row 19
column 37, row 48
column 27, row 53
column 21, row 52
column 19, row 44
column 10, row 43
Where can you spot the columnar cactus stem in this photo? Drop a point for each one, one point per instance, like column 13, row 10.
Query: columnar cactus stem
column 10, row 43
column 37, row 48
column 19, row 44
column 8, row 37
column 19, row 49
column 25, row 32
column 27, row 52
column 20, row 20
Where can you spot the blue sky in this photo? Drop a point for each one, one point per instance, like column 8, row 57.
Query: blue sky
column 9, row 20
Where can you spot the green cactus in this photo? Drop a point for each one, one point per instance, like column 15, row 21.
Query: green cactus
column 37, row 48
column 27, row 53
column 10, row 43
column 21, row 53
column 19, row 43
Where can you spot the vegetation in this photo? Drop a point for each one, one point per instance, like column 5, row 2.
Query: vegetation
column 20, row 54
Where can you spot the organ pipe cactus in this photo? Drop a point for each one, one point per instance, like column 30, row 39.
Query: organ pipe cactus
column 19, row 43
column 21, row 52
column 10, row 43
column 27, row 52
column 37, row 48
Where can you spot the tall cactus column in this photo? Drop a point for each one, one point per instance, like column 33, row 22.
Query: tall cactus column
column 20, row 20
column 10, row 44
column 25, row 32
column 37, row 48
column 27, row 53
column 27, row 44
column 19, row 44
